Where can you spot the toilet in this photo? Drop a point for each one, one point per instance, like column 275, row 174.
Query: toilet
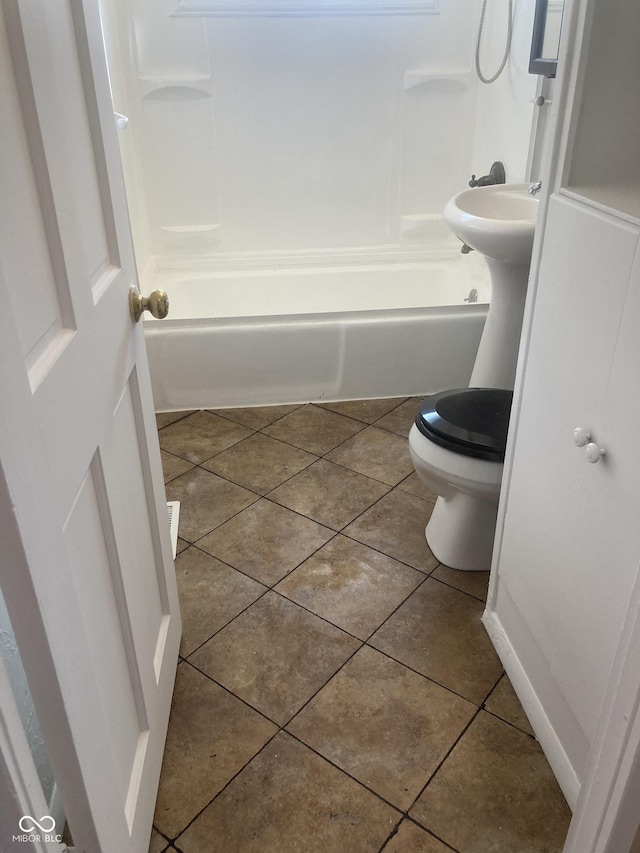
column 457, row 445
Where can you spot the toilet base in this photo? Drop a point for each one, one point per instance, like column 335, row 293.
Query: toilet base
column 461, row 531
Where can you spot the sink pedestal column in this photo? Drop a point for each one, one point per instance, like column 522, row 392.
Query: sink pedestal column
column 495, row 364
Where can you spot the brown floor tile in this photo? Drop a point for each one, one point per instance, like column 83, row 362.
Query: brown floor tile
column 211, row 737
column 375, row 453
column 157, row 844
column 374, row 716
column 173, row 466
column 206, row 500
column 504, row 703
column 474, row 583
column 256, row 417
column 350, row 585
column 290, row 800
column 438, row 632
column 260, row 463
column 328, row 493
column 495, row 792
column 211, row 594
column 411, row 839
column 314, row 429
column 364, row 410
column 275, row 656
column 163, row 419
column 385, row 725
column 395, row 526
column 266, row 541
column 414, row 485
column 401, row 420
column 200, row 435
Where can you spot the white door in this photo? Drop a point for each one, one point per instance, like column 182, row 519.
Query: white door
column 85, row 566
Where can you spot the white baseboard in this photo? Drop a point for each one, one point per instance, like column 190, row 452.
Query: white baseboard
column 545, row 733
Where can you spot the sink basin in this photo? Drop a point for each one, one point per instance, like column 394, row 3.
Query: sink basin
column 497, row 221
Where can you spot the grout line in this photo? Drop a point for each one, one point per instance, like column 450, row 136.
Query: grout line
column 346, row 773
column 235, row 696
column 457, row 589
column 254, row 433
column 390, row 486
column 445, row 758
column 226, row 624
column 483, row 707
column 286, row 574
column 428, row 677
column 182, row 417
column 244, row 766
column 345, row 630
column 491, row 692
column 219, row 412
column 154, row 828
column 509, row 723
column 392, row 409
column 429, row 832
column 426, row 572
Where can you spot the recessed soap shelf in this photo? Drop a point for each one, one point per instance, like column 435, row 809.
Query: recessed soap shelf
column 442, row 80
column 188, row 87
column 189, row 229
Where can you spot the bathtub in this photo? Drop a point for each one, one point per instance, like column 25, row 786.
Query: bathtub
column 299, row 335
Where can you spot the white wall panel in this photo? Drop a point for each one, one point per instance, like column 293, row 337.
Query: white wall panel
column 180, row 169
column 166, row 46
column 306, row 124
column 293, row 136
column 504, row 109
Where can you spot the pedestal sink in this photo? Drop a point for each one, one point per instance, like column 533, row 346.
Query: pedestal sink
column 499, row 222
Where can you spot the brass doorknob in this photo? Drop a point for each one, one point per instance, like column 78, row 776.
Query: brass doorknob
column 157, row 303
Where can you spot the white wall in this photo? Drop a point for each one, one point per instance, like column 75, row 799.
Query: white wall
column 504, row 109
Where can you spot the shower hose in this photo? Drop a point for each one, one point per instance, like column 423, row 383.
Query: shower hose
column 479, row 43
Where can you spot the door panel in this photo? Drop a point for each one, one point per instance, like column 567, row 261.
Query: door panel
column 94, row 603
column 97, row 577
column 146, row 593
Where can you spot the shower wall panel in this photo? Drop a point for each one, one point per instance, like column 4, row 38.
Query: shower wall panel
column 313, row 140
column 504, row 110
column 307, row 114
column 180, row 168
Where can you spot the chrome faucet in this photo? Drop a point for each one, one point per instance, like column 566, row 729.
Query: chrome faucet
column 535, row 188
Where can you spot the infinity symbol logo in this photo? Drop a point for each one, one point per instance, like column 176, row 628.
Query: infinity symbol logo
column 45, row 824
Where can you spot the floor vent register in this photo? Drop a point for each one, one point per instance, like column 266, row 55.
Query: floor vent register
column 173, row 508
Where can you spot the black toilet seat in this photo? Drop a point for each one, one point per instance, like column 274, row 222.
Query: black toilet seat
column 470, row 421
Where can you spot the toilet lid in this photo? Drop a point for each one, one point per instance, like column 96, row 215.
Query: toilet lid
column 470, row 421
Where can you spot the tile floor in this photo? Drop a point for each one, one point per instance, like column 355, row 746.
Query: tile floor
column 336, row 690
